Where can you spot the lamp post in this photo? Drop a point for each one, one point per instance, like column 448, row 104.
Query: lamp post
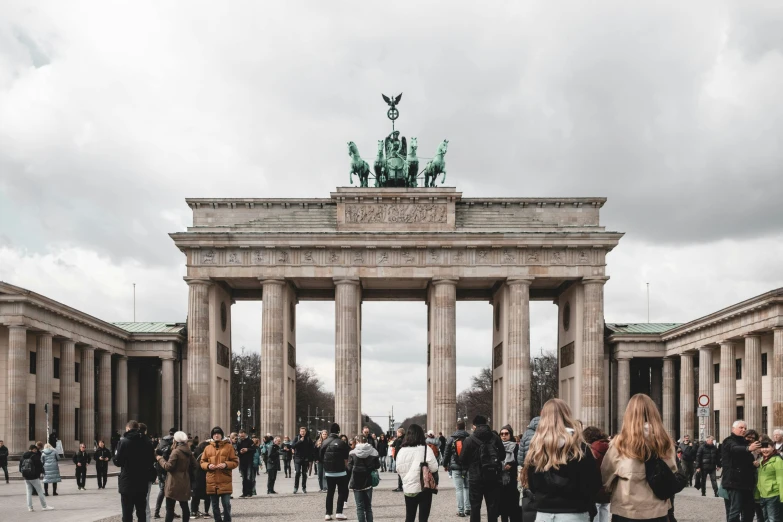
column 243, row 373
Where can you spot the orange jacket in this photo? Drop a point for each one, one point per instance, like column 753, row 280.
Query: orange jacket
column 219, row 480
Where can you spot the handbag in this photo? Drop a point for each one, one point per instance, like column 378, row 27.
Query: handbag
column 428, row 481
column 697, row 480
column 375, row 479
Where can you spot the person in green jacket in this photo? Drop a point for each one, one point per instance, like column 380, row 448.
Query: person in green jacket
column 769, row 486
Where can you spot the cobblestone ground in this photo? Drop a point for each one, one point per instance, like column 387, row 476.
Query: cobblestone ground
column 104, row 505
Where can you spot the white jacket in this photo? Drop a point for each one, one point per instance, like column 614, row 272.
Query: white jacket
column 409, row 469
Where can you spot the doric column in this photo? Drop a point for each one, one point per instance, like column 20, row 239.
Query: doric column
column 273, row 358
column 593, row 378
column 728, row 388
column 623, row 388
column 87, row 410
column 104, row 397
column 687, row 400
column 199, row 362
column 707, row 387
column 17, row 389
column 167, row 395
column 44, row 375
column 133, row 392
column 656, row 384
column 121, row 395
column 68, row 395
column 443, row 355
column 669, row 396
column 777, row 378
column 752, row 379
column 347, row 400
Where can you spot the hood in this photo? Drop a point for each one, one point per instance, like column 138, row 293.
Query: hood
column 27, row 455
column 432, row 440
column 483, row 433
column 460, row 433
column 183, row 447
column 364, row 450
column 48, row 451
column 132, row 434
column 600, row 447
column 218, row 443
column 533, row 423
column 168, row 438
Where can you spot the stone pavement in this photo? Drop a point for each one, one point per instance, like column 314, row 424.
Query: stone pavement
column 104, row 505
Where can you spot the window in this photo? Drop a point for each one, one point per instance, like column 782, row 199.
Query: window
column 32, row 364
column 717, row 373
column 31, row 422
column 740, row 412
column 763, row 364
column 716, row 427
column 76, row 424
column 764, row 419
column 739, row 372
column 56, row 367
column 76, row 376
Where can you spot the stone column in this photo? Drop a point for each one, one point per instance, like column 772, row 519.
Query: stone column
column 687, row 400
column 728, row 388
column 121, row 395
column 167, row 395
column 104, row 397
column 18, row 370
column 87, row 409
column 133, row 392
column 777, row 378
column 669, row 396
column 623, row 388
column 443, row 354
column 199, row 361
column 272, row 358
column 347, row 303
column 68, row 395
column 44, row 375
column 752, row 380
column 593, row 378
column 707, row 386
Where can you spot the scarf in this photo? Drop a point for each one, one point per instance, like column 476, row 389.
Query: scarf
column 509, row 445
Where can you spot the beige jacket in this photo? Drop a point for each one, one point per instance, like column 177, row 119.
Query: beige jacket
column 626, row 481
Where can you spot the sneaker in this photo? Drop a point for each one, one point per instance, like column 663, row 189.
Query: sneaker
column 55, row 494
column 467, row 513
column 304, row 491
column 340, row 516
column 461, row 515
column 47, row 508
column 345, row 505
column 327, row 517
column 31, row 509
column 296, row 490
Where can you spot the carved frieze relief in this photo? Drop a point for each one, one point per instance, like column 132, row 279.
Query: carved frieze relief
column 393, row 213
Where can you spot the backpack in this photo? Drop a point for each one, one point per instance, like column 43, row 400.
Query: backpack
column 27, row 468
column 456, row 450
column 489, row 463
column 662, row 480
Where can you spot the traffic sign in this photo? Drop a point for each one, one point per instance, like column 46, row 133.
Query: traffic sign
column 704, row 400
column 703, row 412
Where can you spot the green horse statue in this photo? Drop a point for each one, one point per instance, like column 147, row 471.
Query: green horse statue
column 380, row 166
column 412, row 161
column 436, row 166
column 358, row 165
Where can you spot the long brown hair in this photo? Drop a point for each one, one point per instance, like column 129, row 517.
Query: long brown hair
column 643, row 435
column 546, row 451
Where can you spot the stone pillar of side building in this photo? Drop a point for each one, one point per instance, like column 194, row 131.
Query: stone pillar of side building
column 167, row 395
column 777, row 378
column 199, row 360
column 68, row 395
column 18, row 369
column 347, row 388
column 87, row 399
column 752, row 379
column 44, row 379
column 669, row 396
column 593, row 403
column 623, row 388
column 272, row 358
column 121, row 395
column 133, row 392
column 443, row 355
column 656, row 383
column 104, row 397
column 728, row 388
column 707, row 387
column 687, row 400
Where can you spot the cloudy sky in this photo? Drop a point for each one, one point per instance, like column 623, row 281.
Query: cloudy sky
column 112, row 113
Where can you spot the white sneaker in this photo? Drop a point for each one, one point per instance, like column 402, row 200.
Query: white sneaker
column 340, row 516
column 327, row 517
column 47, row 508
column 30, row 509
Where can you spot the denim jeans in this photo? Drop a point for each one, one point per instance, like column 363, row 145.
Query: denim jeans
column 562, row 517
column 149, row 489
column 771, row 508
column 363, row 500
column 463, row 492
column 34, row 484
column 216, row 501
column 741, row 505
column 603, row 513
column 321, row 479
column 392, row 465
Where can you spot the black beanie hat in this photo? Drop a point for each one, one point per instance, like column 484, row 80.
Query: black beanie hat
column 335, row 428
column 216, row 429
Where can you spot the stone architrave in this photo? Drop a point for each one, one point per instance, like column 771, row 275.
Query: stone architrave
column 167, row 394
column 199, row 360
column 687, row 400
column 443, row 301
column 104, row 396
column 728, row 388
column 707, row 386
column 68, row 395
column 669, row 395
column 17, row 389
column 44, row 379
column 752, row 379
column 87, row 402
column 777, row 378
column 347, row 402
column 121, row 395
column 272, row 357
column 593, row 378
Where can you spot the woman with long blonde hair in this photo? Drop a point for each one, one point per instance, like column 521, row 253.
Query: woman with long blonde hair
column 560, row 469
column 641, row 438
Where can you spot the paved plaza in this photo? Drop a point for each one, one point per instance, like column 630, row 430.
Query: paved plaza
column 104, row 505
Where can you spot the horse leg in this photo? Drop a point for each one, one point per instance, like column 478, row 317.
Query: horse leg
column 350, row 178
column 444, row 178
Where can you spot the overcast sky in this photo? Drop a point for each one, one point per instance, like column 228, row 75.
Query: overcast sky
column 111, row 116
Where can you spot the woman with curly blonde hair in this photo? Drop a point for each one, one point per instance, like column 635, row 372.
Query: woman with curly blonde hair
column 560, row 469
column 641, row 438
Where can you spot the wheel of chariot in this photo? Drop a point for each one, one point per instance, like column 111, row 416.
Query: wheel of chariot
column 393, row 113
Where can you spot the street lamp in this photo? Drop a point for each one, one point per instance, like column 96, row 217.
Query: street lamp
column 243, row 374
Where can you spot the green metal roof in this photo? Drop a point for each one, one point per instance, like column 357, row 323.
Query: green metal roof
column 641, row 328
column 152, row 328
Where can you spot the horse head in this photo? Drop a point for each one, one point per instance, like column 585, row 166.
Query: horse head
column 443, row 147
column 413, row 147
column 380, row 148
column 352, row 149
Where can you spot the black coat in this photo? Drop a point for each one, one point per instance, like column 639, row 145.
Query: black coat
column 334, row 453
column 382, row 447
column 136, row 457
column 199, row 484
column 102, row 453
column 688, row 452
column 273, row 458
column 470, row 451
column 82, row 457
column 360, row 469
column 246, row 458
column 570, row 489
column 738, row 469
column 4, row 456
column 708, row 457
column 37, row 463
column 304, row 449
column 450, row 457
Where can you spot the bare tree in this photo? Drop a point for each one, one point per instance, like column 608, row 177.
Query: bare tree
column 544, row 382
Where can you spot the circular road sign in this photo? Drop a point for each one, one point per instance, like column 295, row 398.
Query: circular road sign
column 704, row 400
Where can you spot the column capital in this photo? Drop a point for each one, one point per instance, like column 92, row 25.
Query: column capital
column 44, row 334
column 122, row 357
column 272, row 280
column 706, row 348
column 197, row 281
column 17, row 327
column 68, row 341
column 667, row 358
column 520, row 280
column 687, row 354
column 727, row 343
column 346, row 280
column 445, row 280
column 752, row 335
column 88, row 348
column 595, row 280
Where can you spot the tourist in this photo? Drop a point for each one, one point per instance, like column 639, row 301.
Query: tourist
column 194, row 443
column 362, row 461
column 81, row 458
column 739, row 472
column 178, row 466
column 452, row 462
column 266, row 442
column 641, row 438
column 51, row 469
column 102, row 457
column 31, row 468
column 707, row 463
column 288, row 455
column 524, row 443
column 4, row 460
column 53, row 439
column 218, row 459
column 434, row 444
column 483, row 454
column 245, row 450
column 395, row 450
column 334, row 455
column 777, row 437
column 273, row 465
column 599, row 445
column 321, row 481
column 413, row 454
column 369, row 436
column 508, row 501
column 382, row 445
column 135, row 456
column 153, row 474
column 390, row 456
column 769, row 485
column 303, row 450
column 163, row 449
column 254, row 470
column 443, row 441
column 688, row 457
column 199, row 486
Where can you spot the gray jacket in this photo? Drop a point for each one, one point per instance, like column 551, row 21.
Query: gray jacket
column 50, row 466
column 524, row 443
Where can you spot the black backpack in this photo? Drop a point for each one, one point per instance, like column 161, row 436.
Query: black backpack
column 664, row 482
column 489, row 463
column 27, row 468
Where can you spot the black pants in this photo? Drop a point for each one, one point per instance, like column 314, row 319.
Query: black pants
column 247, row 481
column 137, row 501
column 81, row 476
column 421, row 502
column 270, row 480
column 54, row 488
column 196, row 500
column 341, row 483
column 487, row 492
column 713, row 481
column 103, row 472
column 508, row 503
column 298, row 467
column 741, row 505
column 171, row 503
column 618, row 518
column 287, row 467
column 687, row 470
column 5, row 470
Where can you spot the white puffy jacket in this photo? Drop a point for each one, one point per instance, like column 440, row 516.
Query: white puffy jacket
column 408, row 467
